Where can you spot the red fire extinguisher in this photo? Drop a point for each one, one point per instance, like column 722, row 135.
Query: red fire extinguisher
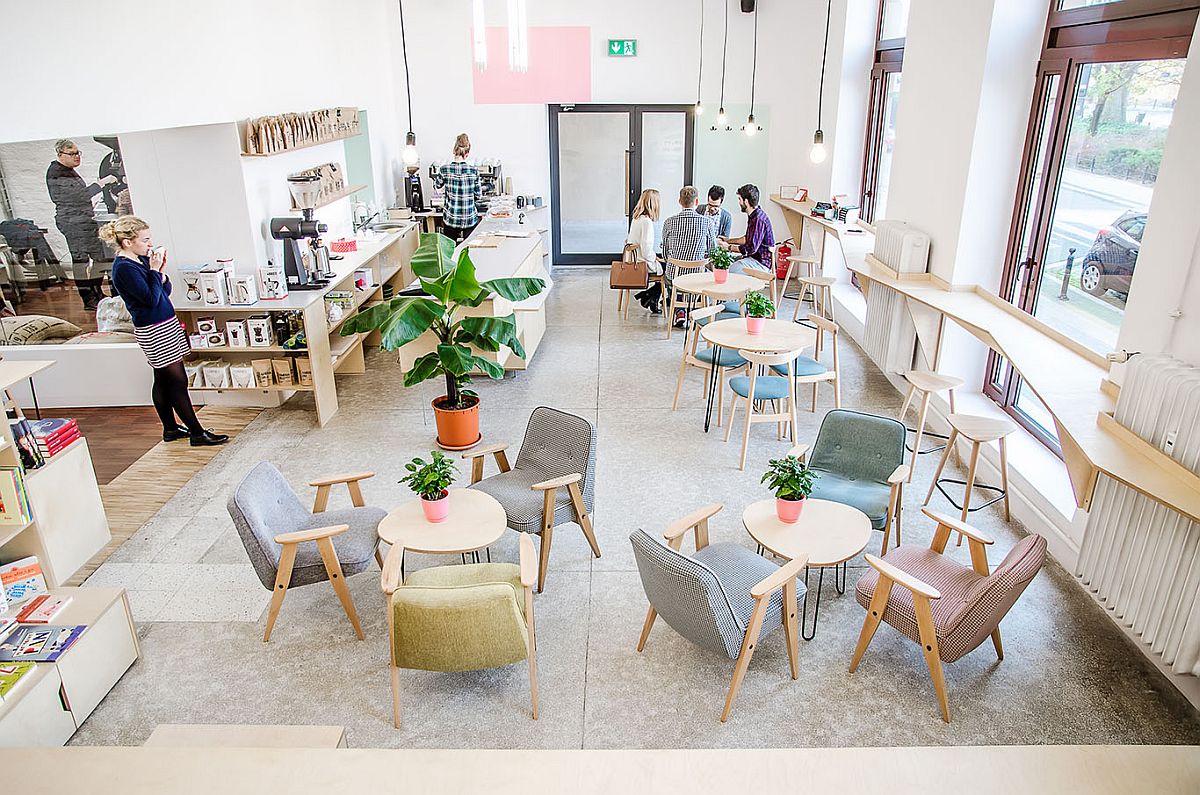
column 782, row 252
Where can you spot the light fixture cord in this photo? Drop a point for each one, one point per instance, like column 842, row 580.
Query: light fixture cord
column 700, row 76
column 725, row 52
column 404, row 48
column 824, row 53
column 754, row 62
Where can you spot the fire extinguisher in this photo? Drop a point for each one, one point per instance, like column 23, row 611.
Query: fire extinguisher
column 782, row 252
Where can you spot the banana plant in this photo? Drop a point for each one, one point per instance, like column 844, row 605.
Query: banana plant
column 450, row 286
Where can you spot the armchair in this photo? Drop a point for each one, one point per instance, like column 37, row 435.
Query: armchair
column 460, row 618
column 723, row 598
column 945, row 607
column 550, row 483
column 276, row 530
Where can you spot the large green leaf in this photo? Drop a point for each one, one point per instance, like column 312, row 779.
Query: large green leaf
column 434, row 256
column 464, row 287
column 489, row 333
column 438, row 289
column 516, row 289
column 410, row 318
column 370, row 318
column 424, row 368
column 489, row 368
column 456, row 359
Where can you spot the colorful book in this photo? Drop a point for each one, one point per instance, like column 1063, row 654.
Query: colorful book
column 10, row 674
column 41, row 609
column 14, row 504
column 52, row 428
column 22, row 579
column 25, row 442
column 38, row 644
column 50, row 449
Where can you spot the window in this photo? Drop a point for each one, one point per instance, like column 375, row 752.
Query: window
column 881, row 108
column 1107, row 84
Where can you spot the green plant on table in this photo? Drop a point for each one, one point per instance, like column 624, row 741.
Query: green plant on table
column 451, row 287
column 430, row 479
column 758, row 305
column 720, row 259
column 789, row 478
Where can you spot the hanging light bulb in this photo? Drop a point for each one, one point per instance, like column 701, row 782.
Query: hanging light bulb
column 700, row 70
column 722, row 119
column 518, row 36
column 817, row 153
column 751, row 126
column 479, row 35
column 411, row 156
column 699, row 109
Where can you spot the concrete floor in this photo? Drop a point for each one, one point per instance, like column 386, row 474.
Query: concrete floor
column 1069, row 675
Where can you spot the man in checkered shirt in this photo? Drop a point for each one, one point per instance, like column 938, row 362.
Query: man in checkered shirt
column 687, row 235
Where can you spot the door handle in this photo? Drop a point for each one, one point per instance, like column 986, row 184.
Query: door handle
column 628, row 204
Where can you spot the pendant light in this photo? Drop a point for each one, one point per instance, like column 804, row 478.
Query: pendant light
column 410, row 156
column 518, row 36
column 751, row 126
column 479, row 35
column 817, row 153
column 700, row 71
column 722, row 119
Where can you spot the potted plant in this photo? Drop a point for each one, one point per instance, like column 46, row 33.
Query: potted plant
column 792, row 482
column 720, row 259
column 758, row 309
column 431, row 482
column 451, row 289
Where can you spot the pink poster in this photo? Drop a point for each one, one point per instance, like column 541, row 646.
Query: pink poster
column 560, row 69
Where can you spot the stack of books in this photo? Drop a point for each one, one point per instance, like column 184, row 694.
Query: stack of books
column 54, row 435
column 14, row 501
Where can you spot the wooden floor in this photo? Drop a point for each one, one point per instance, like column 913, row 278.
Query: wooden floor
column 58, row 301
column 137, row 493
column 117, row 437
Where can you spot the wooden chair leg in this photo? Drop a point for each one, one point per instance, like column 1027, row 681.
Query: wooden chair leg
column 941, row 465
column 912, row 390
column 789, row 627
column 356, row 495
column 733, row 402
column 883, row 589
column 671, row 312
column 322, row 499
column 532, row 643
column 929, row 647
column 334, row 569
column 679, row 382
column 651, row 614
column 477, row 469
column 283, row 576
column 582, row 517
column 743, row 660
column 746, row 435
column 1004, row 474
column 547, row 536
column 970, row 484
column 720, row 395
column 396, row 697
column 379, row 556
column 920, row 432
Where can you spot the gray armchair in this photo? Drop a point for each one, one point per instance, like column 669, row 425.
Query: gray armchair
column 723, row 598
column 551, row 483
column 276, row 530
column 859, row 459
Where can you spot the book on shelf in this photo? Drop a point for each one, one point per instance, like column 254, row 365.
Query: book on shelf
column 25, row 442
column 10, row 675
column 22, row 580
column 42, row 609
column 38, row 643
column 54, row 434
column 50, row 449
column 14, row 502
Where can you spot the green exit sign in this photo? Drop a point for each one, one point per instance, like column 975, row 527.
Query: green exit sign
column 622, row 48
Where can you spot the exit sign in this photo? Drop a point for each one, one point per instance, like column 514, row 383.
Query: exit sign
column 622, row 48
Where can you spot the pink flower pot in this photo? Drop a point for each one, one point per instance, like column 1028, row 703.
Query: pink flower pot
column 721, row 275
column 788, row 511
column 437, row 510
column 754, row 325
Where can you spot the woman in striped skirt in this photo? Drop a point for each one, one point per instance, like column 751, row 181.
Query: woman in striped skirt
column 138, row 277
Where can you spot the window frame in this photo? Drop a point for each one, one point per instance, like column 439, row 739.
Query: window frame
column 889, row 58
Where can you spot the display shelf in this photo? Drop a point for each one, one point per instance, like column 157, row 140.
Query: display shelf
column 350, row 191
column 361, row 298
column 249, row 350
column 271, row 388
column 54, row 459
column 309, row 145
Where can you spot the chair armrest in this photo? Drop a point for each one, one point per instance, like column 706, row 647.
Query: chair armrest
column 680, row 526
column 479, row 452
column 960, row 526
column 389, row 581
column 554, row 483
column 773, row 582
column 898, row 476
column 529, row 561
column 765, row 276
column 352, row 477
column 311, row 535
column 901, row 577
column 800, row 450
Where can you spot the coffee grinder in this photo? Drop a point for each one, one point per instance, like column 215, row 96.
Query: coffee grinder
column 291, row 231
column 413, row 195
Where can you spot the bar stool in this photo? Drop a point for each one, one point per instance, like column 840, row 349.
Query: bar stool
column 802, row 265
column 979, row 430
column 927, row 383
column 822, row 295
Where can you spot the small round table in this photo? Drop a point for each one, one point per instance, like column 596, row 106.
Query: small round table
column 704, row 283
column 830, row 533
column 475, row 521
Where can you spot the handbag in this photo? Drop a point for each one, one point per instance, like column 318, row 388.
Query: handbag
column 629, row 272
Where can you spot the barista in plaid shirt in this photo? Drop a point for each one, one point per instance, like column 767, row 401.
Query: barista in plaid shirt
column 460, row 181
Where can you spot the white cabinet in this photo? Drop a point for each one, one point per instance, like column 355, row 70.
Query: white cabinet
column 67, row 510
column 34, row 713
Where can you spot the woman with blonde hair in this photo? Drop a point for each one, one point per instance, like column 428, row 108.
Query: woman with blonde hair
column 641, row 234
column 139, row 278
column 460, row 180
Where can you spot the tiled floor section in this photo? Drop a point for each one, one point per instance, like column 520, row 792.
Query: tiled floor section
column 1069, row 676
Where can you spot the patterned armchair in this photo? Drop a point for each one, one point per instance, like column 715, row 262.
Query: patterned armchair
column 946, row 608
column 723, row 598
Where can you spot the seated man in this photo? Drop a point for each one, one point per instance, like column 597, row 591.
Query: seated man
column 687, row 235
column 721, row 217
column 755, row 246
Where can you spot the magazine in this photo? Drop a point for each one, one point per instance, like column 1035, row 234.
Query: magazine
column 10, row 674
column 38, row 644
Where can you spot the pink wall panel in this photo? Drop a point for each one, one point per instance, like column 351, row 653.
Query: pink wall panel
column 560, row 69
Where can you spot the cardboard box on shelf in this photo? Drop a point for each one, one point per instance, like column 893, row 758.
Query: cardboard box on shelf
column 283, row 372
column 263, row 372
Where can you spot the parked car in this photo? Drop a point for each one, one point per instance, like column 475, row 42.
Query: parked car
column 1109, row 263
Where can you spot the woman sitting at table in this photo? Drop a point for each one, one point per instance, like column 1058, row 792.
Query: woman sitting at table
column 641, row 234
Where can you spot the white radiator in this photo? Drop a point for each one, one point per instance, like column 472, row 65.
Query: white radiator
column 1141, row 558
column 890, row 336
column 901, row 246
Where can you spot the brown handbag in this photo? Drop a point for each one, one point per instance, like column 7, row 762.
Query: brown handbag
column 629, row 272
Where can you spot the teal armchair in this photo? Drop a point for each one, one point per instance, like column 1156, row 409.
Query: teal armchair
column 461, row 618
column 859, row 460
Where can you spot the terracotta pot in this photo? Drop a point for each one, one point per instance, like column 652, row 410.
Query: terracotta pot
column 754, row 325
column 720, row 275
column 788, row 511
column 436, row 510
column 457, row 429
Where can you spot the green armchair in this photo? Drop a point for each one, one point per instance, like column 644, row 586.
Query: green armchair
column 461, row 618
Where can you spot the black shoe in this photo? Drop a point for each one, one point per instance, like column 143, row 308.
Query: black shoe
column 655, row 308
column 209, row 439
column 178, row 432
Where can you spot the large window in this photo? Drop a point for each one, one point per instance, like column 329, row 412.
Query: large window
column 881, row 110
column 1104, row 99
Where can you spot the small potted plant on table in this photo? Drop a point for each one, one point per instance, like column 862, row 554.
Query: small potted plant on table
column 792, row 482
column 758, row 309
column 431, row 482
column 720, row 259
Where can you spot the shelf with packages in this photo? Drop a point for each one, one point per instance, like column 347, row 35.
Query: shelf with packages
column 342, row 194
column 271, row 388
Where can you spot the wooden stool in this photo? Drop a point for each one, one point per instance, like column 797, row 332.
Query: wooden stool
column 822, row 295
column 803, row 266
column 927, row 383
column 979, row 430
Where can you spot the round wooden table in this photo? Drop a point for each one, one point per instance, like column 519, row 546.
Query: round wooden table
column 830, row 533
column 704, row 283
column 476, row 521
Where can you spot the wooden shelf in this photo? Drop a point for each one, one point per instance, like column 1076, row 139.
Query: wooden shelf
column 360, row 298
column 9, row 532
column 271, row 388
column 247, row 349
column 52, row 460
column 310, row 145
column 336, row 197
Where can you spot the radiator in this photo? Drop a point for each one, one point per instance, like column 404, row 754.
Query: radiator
column 1141, row 558
column 890, row 335
column 900, row 246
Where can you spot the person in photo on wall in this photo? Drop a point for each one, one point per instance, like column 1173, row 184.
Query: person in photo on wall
column 139, row 278
column 460, row 180
column 76, row 219
column 116, row 194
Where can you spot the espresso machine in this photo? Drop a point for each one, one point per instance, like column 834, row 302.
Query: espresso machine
column 302, row 264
